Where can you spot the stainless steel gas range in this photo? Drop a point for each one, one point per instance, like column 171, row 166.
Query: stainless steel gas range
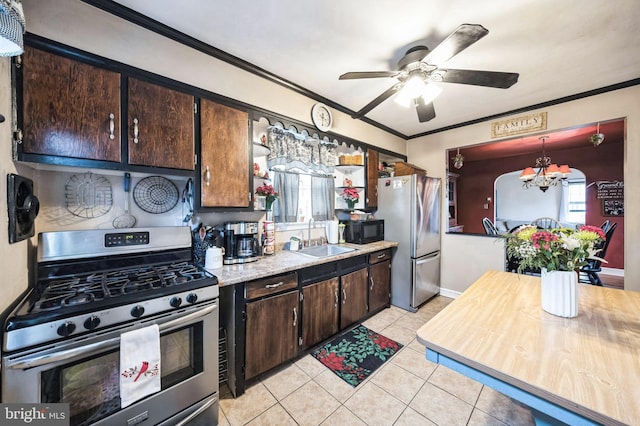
column 61, row 342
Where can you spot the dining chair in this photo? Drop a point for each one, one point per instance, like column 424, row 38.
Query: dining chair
column 546, row 223
column 489, row 227
column 589, row 272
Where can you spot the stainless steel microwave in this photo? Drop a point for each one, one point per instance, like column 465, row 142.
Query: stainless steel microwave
column 364, row 231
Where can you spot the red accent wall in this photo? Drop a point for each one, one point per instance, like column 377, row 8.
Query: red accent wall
column 604, row 162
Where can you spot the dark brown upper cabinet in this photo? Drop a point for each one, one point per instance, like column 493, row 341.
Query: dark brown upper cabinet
column 160, row 126
column 70, row 109
column 224, row 169
column 372, row 178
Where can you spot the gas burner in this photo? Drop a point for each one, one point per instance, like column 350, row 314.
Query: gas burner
column 98, row 286
column 78, row 299
column 49, row 304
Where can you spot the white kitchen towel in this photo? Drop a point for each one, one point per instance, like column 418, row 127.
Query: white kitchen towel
column 139, row 364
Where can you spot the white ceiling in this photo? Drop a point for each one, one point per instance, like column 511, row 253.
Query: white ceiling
column 559, row 48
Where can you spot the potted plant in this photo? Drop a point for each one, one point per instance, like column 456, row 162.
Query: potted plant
column 269, row 193
column 351, row 196
column 559, row 254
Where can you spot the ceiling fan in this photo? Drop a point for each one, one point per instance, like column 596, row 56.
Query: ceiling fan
column 420, row 67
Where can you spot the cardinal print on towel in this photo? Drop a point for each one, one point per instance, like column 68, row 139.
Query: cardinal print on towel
column 137, row 371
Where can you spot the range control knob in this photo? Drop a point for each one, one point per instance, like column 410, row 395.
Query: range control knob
column 137, row 311
column 92, row 322
column 192, row 298
column 66, row 329
column 175, row 302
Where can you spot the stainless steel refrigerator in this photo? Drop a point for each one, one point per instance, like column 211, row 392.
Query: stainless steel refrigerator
column 411, row 207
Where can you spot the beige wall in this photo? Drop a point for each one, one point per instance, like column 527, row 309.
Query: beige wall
column 429, row 152
column 13, row 257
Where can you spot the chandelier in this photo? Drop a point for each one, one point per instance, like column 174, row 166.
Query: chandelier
column 547, row 173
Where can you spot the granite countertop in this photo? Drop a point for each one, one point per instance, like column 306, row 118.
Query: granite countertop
column 286, row 261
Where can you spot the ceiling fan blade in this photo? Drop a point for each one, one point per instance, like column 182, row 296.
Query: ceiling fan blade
column 464, row 36
column 500, row 80
column 377, row 101
column 426, row 112
column 367, row 74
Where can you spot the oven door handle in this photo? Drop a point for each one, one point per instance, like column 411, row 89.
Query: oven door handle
column 207, row 404
column 39, row 360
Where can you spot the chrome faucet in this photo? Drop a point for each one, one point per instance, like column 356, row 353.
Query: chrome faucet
column 309, row 234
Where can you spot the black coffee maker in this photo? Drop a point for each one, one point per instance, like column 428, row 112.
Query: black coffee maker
column 240, row 242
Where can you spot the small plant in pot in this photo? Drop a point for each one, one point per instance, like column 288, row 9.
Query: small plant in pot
column 351, row 196
column 269, row 193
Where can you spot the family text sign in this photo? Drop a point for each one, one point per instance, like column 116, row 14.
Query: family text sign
column 519, row 125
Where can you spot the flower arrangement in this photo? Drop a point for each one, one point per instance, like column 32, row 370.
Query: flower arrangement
column 351, row 196
column 269, row 193
column 558, row 249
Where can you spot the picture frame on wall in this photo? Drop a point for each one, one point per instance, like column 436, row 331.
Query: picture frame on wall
column 613, row 207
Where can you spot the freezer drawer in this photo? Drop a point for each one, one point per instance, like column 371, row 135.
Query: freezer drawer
column 426, row 278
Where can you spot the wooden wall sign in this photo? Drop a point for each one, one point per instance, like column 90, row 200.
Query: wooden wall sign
column 611, row 192
column 607, row 190
column 519, row 125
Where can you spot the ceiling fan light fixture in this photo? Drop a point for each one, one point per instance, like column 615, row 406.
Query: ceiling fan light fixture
column 414, row 88
column 430, row 92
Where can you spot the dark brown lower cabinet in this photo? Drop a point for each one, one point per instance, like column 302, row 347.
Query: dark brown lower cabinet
column 353, row 288
column 320, row 302
column 271, row 332
column 379, row 285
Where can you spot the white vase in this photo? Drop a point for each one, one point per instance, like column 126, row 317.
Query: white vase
column 261, row 202
column 559, row 293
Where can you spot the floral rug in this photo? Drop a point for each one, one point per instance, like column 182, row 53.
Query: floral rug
column 354, row 355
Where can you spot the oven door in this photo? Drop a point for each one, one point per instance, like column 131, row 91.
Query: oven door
column 84, row 372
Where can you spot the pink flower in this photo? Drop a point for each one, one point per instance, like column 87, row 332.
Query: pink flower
column 594, row 229
column 267, row 190
column 350, row 194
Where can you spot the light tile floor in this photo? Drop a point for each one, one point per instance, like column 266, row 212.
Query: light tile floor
column 406, row 390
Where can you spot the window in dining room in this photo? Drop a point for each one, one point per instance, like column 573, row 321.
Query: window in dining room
column 576, row 203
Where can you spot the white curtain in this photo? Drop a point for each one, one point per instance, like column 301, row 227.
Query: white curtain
column 322, row 197
column 285, row 208
column 563, row 208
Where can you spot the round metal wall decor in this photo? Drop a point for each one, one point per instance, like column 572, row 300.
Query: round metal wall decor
column 88, row 195
column 155, row 194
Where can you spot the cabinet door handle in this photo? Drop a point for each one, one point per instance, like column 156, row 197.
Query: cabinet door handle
column 207, row 176
column 336, row 304
column 371, row 280
column 344, row 296
column 276, row 285
column 382, row 256
column 112, row 126
column 135, row 130
column 295, row 316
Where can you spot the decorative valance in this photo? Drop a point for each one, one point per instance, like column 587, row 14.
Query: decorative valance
column 297, row 151
column 12, row 27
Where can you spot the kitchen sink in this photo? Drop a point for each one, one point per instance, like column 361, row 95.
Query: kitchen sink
column 325, row 250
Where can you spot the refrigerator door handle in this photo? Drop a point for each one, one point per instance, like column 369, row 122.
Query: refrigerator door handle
column 427, row 258
column 420, row 227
